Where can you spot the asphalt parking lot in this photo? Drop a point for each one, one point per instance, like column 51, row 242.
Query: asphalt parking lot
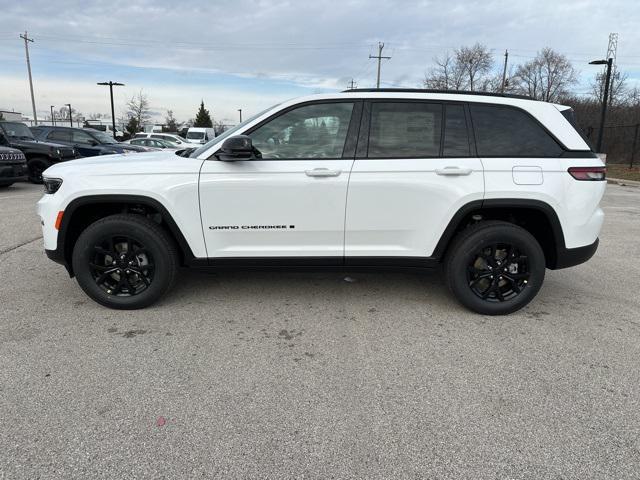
column 290, row 375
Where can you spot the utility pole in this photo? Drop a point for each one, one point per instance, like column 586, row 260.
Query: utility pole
column 352, row 85
column 113, row 114
column 379, row 57
column 26, row 39
column 70, row 114
column 240, row 112
column 504, row 71
column 53, row 119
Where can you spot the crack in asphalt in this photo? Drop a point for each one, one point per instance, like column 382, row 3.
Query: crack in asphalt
column 10, row 249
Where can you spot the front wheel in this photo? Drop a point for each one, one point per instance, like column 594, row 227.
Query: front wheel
column 125, row 261
column 495, row 268
column 35, row 167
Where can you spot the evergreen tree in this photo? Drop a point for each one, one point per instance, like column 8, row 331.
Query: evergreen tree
column 133, row 126
column 203, row 119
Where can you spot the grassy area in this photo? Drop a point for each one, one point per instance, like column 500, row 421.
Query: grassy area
column 623, row 172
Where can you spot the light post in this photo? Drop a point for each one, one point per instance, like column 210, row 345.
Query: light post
column 240, row 111
column 603, row 115
column 53, row 120
column 113, row 114
column 70, row 115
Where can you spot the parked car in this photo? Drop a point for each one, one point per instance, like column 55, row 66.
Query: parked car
column 492, row 188
column 40, row 155
column 153, row 143
column 87, row 141
column 106, row 128
column 167, row 137
column 13, row 166
column 200, row 134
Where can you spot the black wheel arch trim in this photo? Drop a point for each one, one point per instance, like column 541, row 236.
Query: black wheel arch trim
column 62, row 254
column 564, row 257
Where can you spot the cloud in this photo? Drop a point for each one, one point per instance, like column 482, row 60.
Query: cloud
column 249, row 52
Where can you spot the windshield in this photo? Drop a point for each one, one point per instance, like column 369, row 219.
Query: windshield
column 228, row 133
column 103, row 137
column 17, row 130
column 195, row 135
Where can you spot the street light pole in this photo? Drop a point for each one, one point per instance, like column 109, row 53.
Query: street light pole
column 53, row 120
column 240, row 111
column 70, row 115
column 113, row 115
column 603, row 114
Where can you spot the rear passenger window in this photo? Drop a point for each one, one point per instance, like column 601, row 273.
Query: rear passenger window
column 60, row 135
column 456, row 135
column 508, row 132
column 405, row 130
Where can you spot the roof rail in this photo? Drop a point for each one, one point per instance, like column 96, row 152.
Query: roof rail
column 425, row 90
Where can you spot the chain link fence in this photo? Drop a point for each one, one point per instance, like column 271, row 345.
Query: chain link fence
column 621, row 143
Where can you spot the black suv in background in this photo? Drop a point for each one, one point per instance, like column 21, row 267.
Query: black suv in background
column 13, row 166
column 40, row 155
column 87, row 141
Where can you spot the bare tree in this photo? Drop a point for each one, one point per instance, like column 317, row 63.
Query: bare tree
column 138, row 108
column 446, row 75
column 548, row 77
column 477, row 62
column 170, row 121
column 618, row 90
column 467, row 69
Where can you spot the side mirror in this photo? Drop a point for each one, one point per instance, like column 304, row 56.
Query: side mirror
column 93, row 143
column 238, row 147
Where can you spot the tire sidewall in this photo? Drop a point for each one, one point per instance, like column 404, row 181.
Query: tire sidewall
column 468, row 248
column 39, row 161
column 83, row 254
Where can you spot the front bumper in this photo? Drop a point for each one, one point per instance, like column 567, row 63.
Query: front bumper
column 16, row 172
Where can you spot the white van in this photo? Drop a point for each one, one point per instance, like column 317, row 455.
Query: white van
column 200, row 134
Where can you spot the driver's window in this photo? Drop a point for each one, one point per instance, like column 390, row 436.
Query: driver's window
column 312, row 131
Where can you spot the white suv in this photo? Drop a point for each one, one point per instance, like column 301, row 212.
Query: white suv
column 493, row 188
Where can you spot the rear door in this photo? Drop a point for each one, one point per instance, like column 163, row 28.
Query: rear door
column 414, row 169
column 291, row 201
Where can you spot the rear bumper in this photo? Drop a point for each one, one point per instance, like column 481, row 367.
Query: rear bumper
column 569, row 257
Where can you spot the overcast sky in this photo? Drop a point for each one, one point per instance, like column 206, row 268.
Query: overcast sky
column 250, row 54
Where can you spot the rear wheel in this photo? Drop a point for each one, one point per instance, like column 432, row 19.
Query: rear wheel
column 125, row 261
column 36, row 166
column 495, row 268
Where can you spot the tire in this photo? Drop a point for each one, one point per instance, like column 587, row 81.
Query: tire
column 125, row 261
column 36, row 166
column 494, row 268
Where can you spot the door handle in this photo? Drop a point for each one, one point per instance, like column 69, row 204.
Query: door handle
column 453, row 171
column 322, row 172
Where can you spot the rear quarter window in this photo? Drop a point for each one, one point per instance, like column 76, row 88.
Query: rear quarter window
column 510, row 132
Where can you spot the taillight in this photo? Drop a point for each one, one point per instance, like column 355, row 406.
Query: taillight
column 588, row 173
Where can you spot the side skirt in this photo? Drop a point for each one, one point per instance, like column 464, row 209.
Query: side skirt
column 364, row 263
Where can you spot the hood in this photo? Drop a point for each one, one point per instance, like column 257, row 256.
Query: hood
column 146, row 163
column 132, row 148
column 27, row 143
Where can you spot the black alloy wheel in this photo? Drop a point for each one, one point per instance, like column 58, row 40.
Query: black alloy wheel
column 494, row 267
column 498, row 272
column 122, row 266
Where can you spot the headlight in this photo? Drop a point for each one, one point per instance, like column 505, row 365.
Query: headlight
column 51, row 185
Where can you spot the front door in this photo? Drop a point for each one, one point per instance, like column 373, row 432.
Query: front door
column 291, row 201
